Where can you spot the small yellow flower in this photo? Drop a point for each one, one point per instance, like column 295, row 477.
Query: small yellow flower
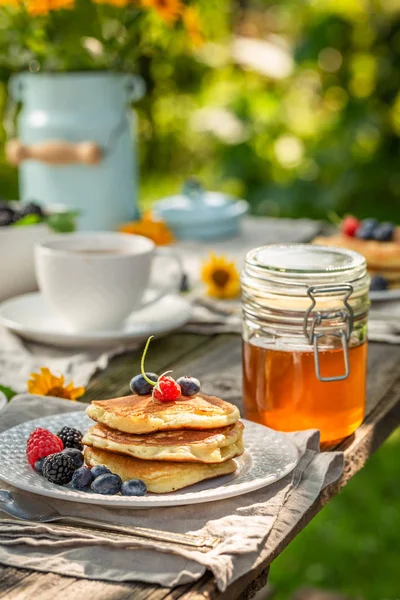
column 47, row 384
column 191, row 22
column 151, row 228
column 221, row 277
column 169, row 10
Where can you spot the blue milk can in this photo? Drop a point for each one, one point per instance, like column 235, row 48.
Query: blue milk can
column 75, row 144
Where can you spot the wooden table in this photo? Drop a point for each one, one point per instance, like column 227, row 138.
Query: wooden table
column 216, row 360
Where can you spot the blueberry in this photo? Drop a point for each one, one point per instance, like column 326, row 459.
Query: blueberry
column 75, row 454
column 108, row 484
column 140, row 386
column 378, row 283
column 134, row 487
column 385, row 232
column 367, row 229
column 99, row 470
column 39, row 465
column 82, row 478
column 190, row 386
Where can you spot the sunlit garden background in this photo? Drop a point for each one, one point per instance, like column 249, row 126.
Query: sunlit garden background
column 294, row 106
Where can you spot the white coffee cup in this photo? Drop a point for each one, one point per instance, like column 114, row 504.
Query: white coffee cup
column 96, row 279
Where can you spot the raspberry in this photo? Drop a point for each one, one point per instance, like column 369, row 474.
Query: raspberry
column 166, row 389
column 41, row 443
column 350, row 225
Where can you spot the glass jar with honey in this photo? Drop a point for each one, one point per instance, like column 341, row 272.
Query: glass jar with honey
column 305, row 312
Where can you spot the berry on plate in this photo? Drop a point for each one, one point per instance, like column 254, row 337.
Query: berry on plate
column 378, row 283
column 107, row 484
column 72, row 438
column 82, row 478
column 76, row 456
column 59, row 468
column 140, row 386
column 350, row 225
column 384, row 232
column 39, row 465
column 190, row 386
column 41, row 443
column 134, row 487
column 366, row 230
column 98, row 470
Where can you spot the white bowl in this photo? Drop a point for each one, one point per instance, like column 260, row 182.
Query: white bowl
column 17, row 272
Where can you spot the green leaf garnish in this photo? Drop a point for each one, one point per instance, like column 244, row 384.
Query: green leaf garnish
column 28, row 220
column 153, row 383
column 8, row 392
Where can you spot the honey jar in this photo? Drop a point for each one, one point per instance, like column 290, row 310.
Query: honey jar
column 305, row 311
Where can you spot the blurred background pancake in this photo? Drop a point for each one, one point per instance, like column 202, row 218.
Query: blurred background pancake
column 207, row 446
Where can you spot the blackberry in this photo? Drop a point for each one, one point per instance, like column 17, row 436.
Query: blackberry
column 59, row 468
column 71, row 438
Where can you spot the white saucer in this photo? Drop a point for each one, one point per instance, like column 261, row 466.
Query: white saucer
column 33, row 319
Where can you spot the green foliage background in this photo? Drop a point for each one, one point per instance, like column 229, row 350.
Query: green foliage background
column 325, row 137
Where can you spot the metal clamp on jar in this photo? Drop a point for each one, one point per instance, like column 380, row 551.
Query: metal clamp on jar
column 305, row 312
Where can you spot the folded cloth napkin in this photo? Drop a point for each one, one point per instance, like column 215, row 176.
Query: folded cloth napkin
column 19, row 358
column 250, row 526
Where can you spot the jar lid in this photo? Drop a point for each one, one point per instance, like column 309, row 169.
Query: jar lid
column 296, row 264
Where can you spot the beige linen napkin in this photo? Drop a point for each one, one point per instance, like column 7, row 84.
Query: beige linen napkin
column 250, row 526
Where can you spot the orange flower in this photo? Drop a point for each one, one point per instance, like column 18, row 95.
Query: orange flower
column 191, row 21
column 112, row 2
column 169, row 10
column 155, row 230
column 42, row 7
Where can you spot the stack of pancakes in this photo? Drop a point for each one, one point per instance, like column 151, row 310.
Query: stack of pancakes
column 383, row 258
column 168, row 445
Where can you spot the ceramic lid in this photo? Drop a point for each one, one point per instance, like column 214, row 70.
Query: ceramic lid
column 195, row 205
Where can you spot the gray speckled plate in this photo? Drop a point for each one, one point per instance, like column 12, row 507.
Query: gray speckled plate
column 269, row 456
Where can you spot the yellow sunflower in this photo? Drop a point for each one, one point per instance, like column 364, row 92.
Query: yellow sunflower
column 221, row 277
column 151, row 228
column 169, row 10
column 191, row 22
column 47, row 384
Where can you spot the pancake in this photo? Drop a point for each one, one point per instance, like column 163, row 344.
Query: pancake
column 380, row 256
column 160, row 477
column 142, row 414
column 207, row 446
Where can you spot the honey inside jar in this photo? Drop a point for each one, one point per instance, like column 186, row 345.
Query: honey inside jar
column 281, row 390
column 305, row 311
